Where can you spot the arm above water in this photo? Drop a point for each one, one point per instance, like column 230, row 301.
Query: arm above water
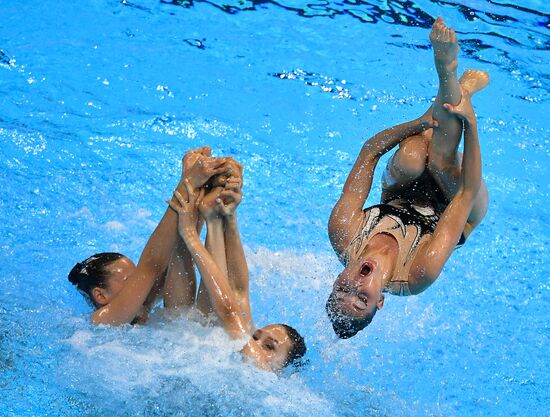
column 153, row 263
column 229, row 200
column 214, row 244
column 237, row 267
column 347, row 214
column 128, row 303
column 221, row 294
column 433, row 255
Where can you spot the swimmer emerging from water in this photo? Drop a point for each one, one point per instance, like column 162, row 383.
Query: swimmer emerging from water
column 122, row 292
column 431, row 199
column 224, row 272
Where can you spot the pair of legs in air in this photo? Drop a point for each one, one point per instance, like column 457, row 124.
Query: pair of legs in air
column 434, row 152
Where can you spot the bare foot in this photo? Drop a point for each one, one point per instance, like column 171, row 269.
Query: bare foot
column 474, row 80
column 445, row 44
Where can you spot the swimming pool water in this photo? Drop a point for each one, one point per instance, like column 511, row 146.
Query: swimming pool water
column 99, row 101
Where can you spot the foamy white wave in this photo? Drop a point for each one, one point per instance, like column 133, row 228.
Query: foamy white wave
column 137, row 365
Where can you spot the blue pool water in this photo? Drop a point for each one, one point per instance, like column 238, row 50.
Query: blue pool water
column 99, row 100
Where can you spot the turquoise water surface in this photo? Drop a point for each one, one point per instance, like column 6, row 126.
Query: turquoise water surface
column 99, row 101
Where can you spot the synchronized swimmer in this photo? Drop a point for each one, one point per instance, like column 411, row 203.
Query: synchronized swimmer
column 209, row 190
column 432, row 198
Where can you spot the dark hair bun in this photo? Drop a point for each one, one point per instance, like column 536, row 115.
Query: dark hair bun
column 76, row 274
column 92, row 272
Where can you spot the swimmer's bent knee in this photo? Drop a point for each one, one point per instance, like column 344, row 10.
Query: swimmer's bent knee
column 410, row 159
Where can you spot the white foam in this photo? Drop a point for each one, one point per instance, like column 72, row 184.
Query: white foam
column 181, row 364
column 183, row 356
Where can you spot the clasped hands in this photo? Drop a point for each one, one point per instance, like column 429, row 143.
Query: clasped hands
column 213, row 187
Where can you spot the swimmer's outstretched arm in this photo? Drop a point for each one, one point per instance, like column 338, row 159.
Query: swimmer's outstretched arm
column 217, row 284
column 237, row 267
column 431, row 258
column 128, row 303
column 214, row 244
column 347, row 213
column 180, row 285
column 236, row 260
column 229, row 200
column 215, row 238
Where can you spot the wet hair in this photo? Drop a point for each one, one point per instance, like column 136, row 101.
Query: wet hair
column 92, row 273
column 345, row 326
column 298, row 349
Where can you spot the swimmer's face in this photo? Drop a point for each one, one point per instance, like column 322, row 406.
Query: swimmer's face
column 269, row 347
column 358, row 289
column 356, row 296
column 118, row 271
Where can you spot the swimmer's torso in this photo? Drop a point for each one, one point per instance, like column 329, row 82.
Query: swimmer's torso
column 411, row 225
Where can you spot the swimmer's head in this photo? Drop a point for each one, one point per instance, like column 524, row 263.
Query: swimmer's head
column 100, row 277
column 356, row 297
column 274, row 347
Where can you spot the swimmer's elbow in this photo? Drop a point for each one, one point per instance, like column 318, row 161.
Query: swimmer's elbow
column 466, row 195
column 468, row 229
column 372, row 151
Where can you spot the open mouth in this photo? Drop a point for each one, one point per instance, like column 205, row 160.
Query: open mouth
column 366, row 269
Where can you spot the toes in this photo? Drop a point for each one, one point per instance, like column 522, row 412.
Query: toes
column 453, row 36
column 437, row 27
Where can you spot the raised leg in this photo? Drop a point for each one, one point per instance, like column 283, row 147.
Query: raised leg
column 445, row 162
column 411, row 159
column 446, row 137
column 440, row 152
column 443, row 156
column 407, row 164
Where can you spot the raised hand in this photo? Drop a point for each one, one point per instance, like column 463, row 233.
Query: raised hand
column 187, row 209
column 230, row 197
column 427, row 121
column 233, row 169
column 199, row 166
column 463, row 110
column 208, row 206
